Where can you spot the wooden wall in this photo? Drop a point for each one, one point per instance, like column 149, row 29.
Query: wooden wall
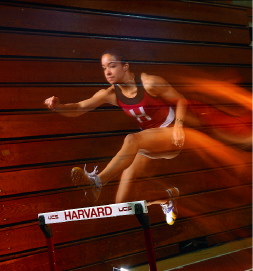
column 53, row 47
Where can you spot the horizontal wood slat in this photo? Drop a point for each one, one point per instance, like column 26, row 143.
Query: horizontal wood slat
column 93, row 24
column 14, row 44
column 171, row 9
column 209, row 202
column 58, row 150
column 27, row 98
column 30, row 125
column 229, row 236
column 83, row 72
column 132, row 260
column 249, row 14
column 53, row 124
column 161, row 253
column 249, row 11
column 27, row 209
column 127, row 260
column 39, row 261
column 203, row 226
column 197, row 144
column 197, row 89
column 51, row 178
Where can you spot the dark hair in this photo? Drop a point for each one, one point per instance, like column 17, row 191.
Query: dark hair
column 117, row 53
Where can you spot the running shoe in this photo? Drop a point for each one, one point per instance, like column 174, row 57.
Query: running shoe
column 169, row 208
column 82, row 177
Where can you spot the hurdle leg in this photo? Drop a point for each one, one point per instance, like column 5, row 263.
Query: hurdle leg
column 47, row 230
column 144, row 221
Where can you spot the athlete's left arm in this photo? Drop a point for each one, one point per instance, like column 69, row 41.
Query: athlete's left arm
column 159, row 87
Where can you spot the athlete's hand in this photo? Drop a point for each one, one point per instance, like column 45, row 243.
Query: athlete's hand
column 52, row 102
column 178, row 136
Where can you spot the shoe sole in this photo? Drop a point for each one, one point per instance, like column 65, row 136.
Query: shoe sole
column 78, row 177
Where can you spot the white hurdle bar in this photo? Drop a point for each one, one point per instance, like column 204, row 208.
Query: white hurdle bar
column 138, row 208
column 105, row 211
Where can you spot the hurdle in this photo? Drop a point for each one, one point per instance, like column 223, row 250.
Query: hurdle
column 137, row 208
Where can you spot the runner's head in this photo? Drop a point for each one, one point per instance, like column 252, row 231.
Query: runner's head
column 116, row 68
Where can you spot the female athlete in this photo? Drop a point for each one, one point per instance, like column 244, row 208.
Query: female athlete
column 159, row 110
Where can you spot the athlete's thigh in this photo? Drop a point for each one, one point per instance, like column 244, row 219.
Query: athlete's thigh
column 156, row 140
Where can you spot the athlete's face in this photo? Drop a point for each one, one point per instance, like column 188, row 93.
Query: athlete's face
column 114, row 70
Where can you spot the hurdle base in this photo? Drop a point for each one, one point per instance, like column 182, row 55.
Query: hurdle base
column 47, row 230
column 143, row 219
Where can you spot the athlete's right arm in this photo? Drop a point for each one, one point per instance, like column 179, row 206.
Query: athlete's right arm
column 77, row 109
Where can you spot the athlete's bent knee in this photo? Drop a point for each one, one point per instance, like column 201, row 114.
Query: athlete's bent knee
column 131, row 140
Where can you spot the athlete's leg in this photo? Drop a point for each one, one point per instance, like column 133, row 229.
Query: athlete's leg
column 213, row 152
column 153, row 142
column 135, row 176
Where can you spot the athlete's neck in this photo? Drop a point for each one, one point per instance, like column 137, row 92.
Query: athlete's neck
column 129, row 81
column 129, row 87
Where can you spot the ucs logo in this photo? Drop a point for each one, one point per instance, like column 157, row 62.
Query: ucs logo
column 53, row 217
column 125, row 209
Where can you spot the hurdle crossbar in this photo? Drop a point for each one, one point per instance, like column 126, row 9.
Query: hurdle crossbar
column 138, row 208
column 94, row 212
